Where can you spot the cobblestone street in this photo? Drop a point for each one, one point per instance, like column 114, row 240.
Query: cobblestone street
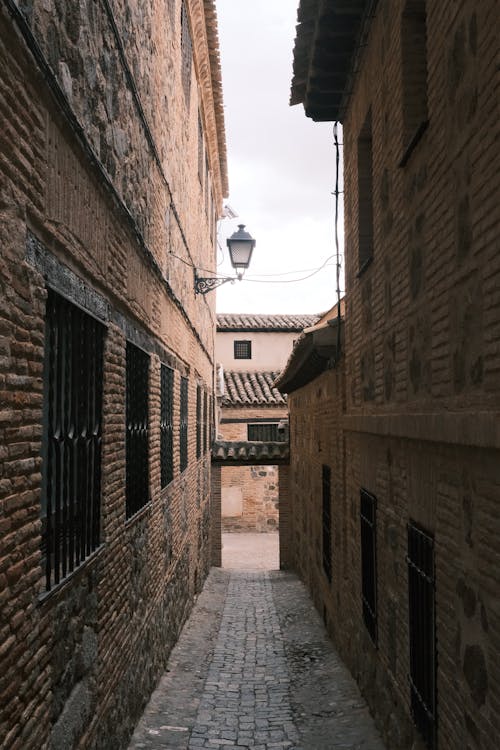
column 254, row 669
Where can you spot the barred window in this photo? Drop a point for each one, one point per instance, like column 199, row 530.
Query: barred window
column 166, row 425
column 421, row 612
column 200, row 149
column 187, row 53
column 264, row 432
column 243, row 350
column 205, row 421
column 365, row 194
column 199, row 426
column 414, row 74
column 71, row 495
column 327, row 522
column 184, row 424
column 369, row 562
column 137, row 469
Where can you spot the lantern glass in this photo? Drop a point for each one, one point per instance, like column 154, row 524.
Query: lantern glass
column 241, row 245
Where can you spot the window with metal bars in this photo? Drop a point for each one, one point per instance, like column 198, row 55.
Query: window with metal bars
column 166, row 425
column 365, row 194
column 368, row 508
column 326, row 521
column 199, row 426
column 71, row 496
column 243, row 350
column 264, row 432
column 187, row 53
column 137, row 429
column 414, row 75
column 421, row 612
column 184, row 424
column 205, row 421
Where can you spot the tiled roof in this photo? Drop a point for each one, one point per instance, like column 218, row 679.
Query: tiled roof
column 229, row 322
column 330, row 35
column 243, row 452
column 251, row 389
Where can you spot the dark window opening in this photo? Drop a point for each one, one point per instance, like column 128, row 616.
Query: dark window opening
column 414, row 75
column 243, row 350
column 184, row 424
column 187, row 53
column 72, row 438
column 327, row 522
column 199, row 425
column 200, row 149
column 422, row 632
column 166, row 425
column 368, row 506
column 137, row 429
column 266, row 432
column 365, row 194
column 205, row 422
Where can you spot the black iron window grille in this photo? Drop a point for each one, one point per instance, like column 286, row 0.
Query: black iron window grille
column 184, row 424
column 421, row 584
column 368, row 507
column 166, row 425
column 243, row 350
column 327, row 521
column 72, row 438
column 137, row 429
column 264, row 432
column 205, row 421
column 187, row 53
column 199, row 426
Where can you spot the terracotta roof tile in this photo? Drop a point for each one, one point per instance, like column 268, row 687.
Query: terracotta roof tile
column 230, row 322
column 244, row 452
column 251, row 389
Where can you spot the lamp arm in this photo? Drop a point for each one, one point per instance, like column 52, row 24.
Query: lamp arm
column 205, row 284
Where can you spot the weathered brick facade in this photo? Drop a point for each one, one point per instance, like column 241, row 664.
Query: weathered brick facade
column 112, row 173
column 417, row 427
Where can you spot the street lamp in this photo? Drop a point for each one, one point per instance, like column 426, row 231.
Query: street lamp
column 241, row 245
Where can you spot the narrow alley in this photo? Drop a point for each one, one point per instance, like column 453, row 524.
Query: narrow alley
column 254, row 668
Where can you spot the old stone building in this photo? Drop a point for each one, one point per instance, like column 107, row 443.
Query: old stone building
column 394, row 478
column 112, row 173
column 251, row 350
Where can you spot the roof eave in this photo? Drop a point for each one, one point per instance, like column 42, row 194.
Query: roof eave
column 329, row 40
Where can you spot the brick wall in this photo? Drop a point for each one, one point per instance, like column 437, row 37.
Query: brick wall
column 418, row 427
column 99, row 190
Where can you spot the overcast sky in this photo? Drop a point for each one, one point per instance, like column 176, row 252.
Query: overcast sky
column 281, row 165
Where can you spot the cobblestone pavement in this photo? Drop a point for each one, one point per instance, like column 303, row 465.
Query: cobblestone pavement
column 254, row 668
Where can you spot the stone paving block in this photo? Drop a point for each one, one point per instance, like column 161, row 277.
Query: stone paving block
column 246, row 679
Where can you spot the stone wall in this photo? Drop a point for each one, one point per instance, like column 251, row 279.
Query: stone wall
column 418, row 424
column 101, row 200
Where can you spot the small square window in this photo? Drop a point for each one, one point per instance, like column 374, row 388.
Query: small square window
column 243, row 350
